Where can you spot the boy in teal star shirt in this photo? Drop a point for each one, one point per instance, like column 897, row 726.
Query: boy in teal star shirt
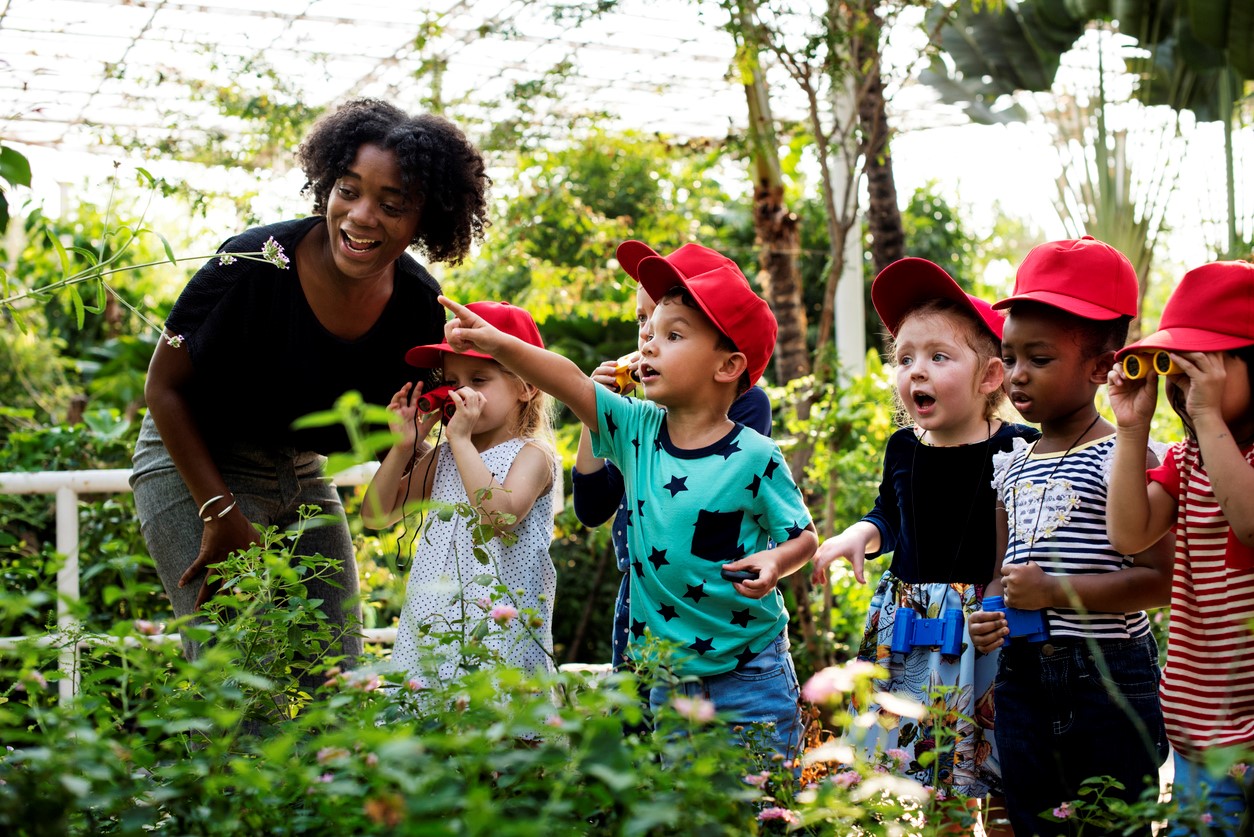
column 706, row 494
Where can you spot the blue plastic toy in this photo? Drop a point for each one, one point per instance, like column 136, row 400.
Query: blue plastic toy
column 910, row 630
column 1025, row 624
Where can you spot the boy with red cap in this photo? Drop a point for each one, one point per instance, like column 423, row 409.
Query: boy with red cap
column 1076, row 692
column 1204, row 493
column 707, row 495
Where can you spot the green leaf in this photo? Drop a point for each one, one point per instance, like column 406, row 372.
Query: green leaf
column 77, row 300
column 14, row 167
column 60, row 251
column 485, row 580
column 169, row 251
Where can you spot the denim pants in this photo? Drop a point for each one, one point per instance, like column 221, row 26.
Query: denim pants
column 1223, row 797
column 1071, row 709
column 270, row 487
column 762, row 695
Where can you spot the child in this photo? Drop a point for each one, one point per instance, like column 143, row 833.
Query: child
column 1081, row 702
column 706, row 494
column 1204, row 493
column 596, row 485
column 935, row 514
column 499, row 439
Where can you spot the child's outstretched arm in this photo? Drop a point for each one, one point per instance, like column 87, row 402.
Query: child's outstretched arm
column 383, row 503
column 853, row 544
column 548, row 371
column 1137, row 514
column 1231, row 477
column 774, row 564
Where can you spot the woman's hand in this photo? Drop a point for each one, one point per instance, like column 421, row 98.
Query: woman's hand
column 221, row 537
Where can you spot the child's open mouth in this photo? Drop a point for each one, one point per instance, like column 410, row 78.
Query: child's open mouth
column 359, row 245
column 923, row 402
column 647, row 373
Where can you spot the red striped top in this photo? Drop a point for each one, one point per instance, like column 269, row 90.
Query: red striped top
column 1208, row 684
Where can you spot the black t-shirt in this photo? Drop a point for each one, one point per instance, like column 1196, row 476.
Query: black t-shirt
column 262, row 359
column 935, row 509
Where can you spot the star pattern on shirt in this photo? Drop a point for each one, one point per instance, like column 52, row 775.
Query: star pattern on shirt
column 771, row 465
column 741, row 618
column 637, row 628
column 640, row 507
column 676, row 485
column 794, row 531
column 627, row 515
column 745, row 657
column 610, row 426
column 667, row 612
column 638, row 566
column 636, row 442
column 732, row 447
column 696, row 593
column 657, row 558
column 755, row 484
column 657, row 443
column 702, row 645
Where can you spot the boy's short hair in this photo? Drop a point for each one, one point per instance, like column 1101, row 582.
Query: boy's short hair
column 722, row 294
column 1084, row 277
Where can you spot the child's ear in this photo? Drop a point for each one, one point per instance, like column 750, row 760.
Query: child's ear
column 993, row 377
column 527, row 392
column 1102, row 364
column 731, row 368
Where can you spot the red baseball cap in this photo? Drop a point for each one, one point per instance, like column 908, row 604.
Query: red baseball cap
column 722, row 291
column 689, row 260
column 508, row 318
column 1211, row 310
column 1085, row 277
column 906, row 283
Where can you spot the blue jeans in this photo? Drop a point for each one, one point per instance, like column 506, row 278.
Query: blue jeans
column 763, row 692
column 1071, row 709
column 1223, row 797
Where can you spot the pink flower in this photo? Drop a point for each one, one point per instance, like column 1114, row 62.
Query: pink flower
column 757, row 779
column 414, row 684
column 1238, row 770
column 484, row 603
column 846, row 779
column 834, row 681
column 697, row 710
column 782, row 814
column 326, row 778
column 372, row 760
column 1207, row 819
column 503, row 614
column 899, row 757
column 1063, row 811
column 143, row 626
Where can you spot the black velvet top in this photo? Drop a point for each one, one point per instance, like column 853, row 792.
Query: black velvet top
column 935, row 510
column 262, row 359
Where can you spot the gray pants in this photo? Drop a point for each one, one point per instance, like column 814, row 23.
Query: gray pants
column 270, row 487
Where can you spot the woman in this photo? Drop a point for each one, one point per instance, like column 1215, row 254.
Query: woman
column 252, row 346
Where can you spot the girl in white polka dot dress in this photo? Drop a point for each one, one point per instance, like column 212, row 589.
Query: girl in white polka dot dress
column 498, row 454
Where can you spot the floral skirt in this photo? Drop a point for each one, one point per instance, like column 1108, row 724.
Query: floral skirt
column 957, row 689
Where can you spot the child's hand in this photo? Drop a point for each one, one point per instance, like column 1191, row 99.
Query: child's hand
column 604, row 374
column 845, row 545
column 470, row 404
column 1132, row 401
column 1204, row 389
column 403, row 408
column 467, row 330
column 1028, row 587
column 767, row 570
column 987, row 630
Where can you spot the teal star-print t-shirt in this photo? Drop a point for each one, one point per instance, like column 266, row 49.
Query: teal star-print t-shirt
column 691, row 512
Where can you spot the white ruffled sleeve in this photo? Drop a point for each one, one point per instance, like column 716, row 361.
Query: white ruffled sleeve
column 1002, row 461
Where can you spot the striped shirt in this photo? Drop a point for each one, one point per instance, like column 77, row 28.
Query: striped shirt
column 1056, row 513
column 1208, row 685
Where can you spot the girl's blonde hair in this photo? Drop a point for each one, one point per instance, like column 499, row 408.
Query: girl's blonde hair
column 978, row 339
column 535, row 419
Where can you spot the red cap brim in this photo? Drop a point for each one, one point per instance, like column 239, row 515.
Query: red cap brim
column 907, row 282
column 431, row 356
column 1079, row 307
column 1185, row 339
column 631, row 253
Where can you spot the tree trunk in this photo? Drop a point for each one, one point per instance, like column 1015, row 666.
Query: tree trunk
column 883, row 215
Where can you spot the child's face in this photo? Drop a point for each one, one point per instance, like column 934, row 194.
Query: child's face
column 504, row 395
column 1234, row 404
column 1049, row 376
column 680, row 355
column 644, row 310
column 941, row 380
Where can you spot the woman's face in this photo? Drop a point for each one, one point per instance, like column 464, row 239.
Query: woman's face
column 371, row 219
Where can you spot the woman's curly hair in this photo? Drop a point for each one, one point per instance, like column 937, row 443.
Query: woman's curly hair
column 437, row 163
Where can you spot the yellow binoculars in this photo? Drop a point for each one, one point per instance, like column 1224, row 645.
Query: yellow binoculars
column 1138, row 365
column 625, row 377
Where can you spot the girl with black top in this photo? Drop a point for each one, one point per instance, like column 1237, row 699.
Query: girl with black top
column 251, row 346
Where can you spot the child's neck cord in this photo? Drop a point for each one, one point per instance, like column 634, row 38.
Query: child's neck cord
column 1014, row 489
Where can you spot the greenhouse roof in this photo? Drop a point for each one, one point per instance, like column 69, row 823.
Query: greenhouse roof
column 80, row 74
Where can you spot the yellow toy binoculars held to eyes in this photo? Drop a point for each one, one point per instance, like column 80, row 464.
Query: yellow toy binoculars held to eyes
column 625, row 377
column 1137, row 365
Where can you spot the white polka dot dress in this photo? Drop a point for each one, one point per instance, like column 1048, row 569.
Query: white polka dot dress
column 443, row 602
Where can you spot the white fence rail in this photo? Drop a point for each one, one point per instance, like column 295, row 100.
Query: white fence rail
column 67, row 486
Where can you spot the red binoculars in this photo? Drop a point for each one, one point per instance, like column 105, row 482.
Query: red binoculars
column 437, row 400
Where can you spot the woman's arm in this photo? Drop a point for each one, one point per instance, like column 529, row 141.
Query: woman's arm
column 170, row 373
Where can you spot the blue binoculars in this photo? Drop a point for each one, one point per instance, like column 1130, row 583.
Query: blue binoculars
column 910, row 630
column 1024, row 624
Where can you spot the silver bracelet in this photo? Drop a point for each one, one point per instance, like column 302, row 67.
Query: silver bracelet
column 226, row 511
column 206, row 505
